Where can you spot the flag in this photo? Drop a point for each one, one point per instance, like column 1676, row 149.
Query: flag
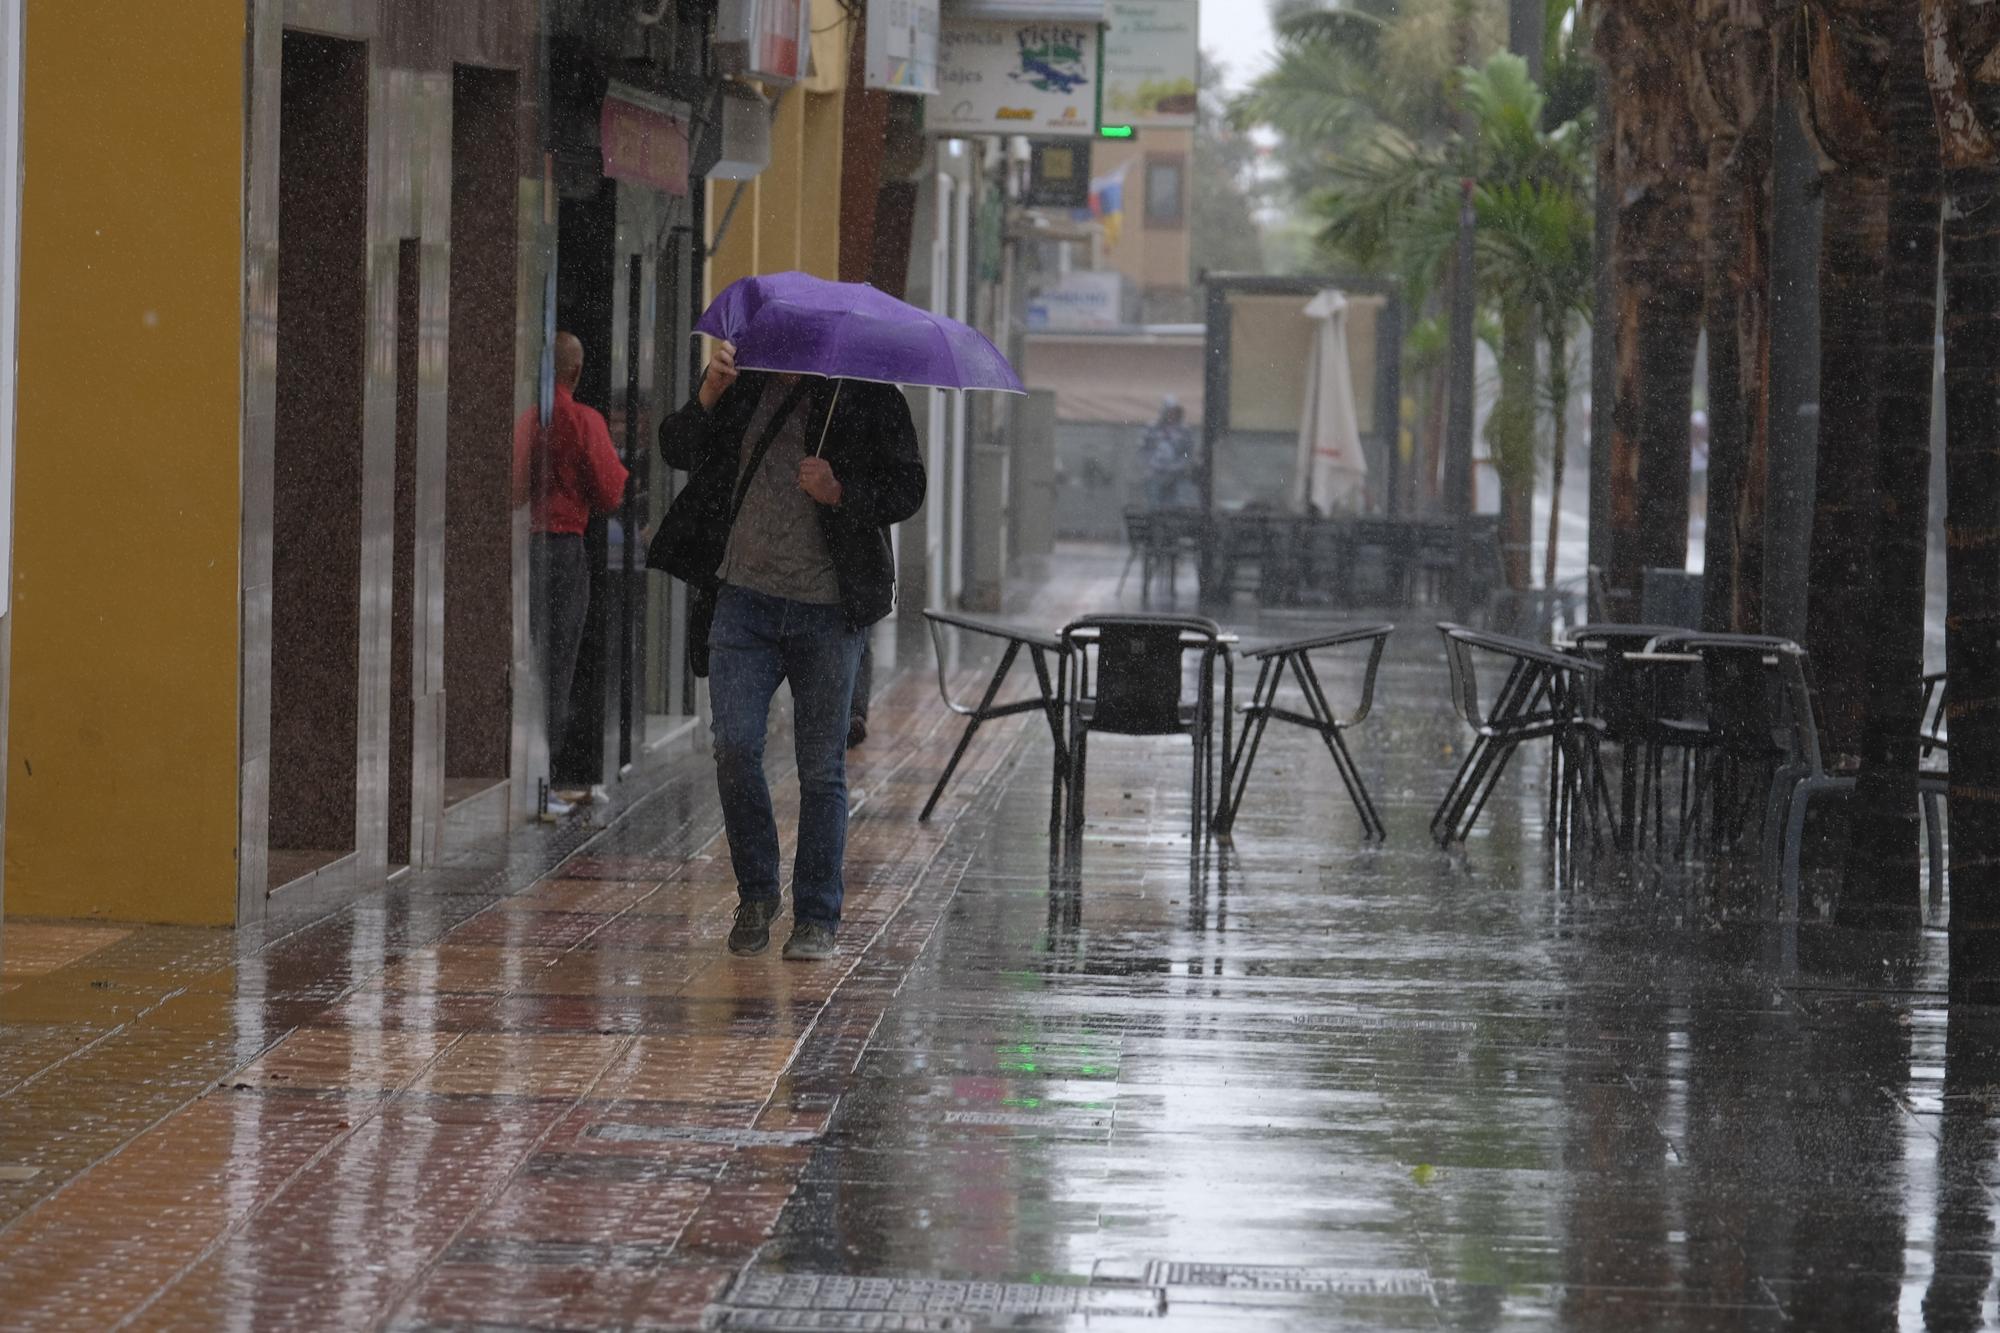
column 1107, row 201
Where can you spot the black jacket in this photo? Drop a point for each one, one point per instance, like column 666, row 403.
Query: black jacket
column 872, row 447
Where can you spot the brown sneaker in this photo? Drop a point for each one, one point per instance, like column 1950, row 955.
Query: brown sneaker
column 752, row 932
column 811, row 942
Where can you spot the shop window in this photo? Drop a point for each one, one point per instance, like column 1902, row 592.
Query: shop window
column 1166, row 191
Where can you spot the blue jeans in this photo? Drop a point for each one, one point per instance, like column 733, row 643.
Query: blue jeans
column 758, row 641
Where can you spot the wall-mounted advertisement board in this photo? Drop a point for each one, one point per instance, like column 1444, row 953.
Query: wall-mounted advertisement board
column 1037, row 78
column 903, row 46
column 1152, row 57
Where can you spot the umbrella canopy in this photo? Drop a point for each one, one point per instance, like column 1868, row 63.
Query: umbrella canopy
column 1332, row 471
column 797, row 324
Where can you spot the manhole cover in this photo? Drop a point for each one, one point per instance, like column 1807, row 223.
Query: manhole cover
column 733, row 1138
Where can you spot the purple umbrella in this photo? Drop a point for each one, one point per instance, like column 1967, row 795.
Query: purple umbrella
column 794, row 323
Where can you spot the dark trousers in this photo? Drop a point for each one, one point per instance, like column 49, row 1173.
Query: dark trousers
column 758, row 643
column 560, row 589
column 864, row 679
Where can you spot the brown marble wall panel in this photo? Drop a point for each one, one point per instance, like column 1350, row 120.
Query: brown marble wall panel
column 409, row 286
column 393, row 703
column 316, row 570
column 485, row 249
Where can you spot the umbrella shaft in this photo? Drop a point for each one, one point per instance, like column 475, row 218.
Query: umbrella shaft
column 828, row 424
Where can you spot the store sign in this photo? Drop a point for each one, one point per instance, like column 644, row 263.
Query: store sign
column 1152, row 63
column 1058, row 174
column 1078, row 302
column 1035, row 78
column 764, row 39
column 644, row 146
column 903, row 46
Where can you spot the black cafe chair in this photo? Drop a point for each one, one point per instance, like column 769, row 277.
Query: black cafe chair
column 1129, row 679
column 1295, row 659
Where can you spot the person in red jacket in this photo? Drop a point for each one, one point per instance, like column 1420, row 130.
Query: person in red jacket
column 567, row 471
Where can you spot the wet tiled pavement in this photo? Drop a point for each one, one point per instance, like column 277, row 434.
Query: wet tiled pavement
column 1301, row 1083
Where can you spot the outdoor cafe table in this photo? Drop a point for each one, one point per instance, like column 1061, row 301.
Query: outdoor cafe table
column 1045, row 649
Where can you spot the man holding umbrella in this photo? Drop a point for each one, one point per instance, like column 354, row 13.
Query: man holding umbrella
column 800, row 465
column 813, row 479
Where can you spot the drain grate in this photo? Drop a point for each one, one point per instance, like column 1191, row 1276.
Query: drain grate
column 1026, row 1120
column 731, row 1138
column 831, row 1301
column 1290, row 1280
column 1383, row 1023
column 812, row 1321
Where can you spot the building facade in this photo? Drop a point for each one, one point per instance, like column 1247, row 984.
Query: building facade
column 272, row 597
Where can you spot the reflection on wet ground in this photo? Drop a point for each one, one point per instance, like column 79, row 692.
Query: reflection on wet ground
column 1302, row 1083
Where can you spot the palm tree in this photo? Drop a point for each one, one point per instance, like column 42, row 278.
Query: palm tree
column 1645, row 51
column 1733, row 104
column 1845, row 90
column 1537, row 239
column 1882, row 870
column 1396, row 206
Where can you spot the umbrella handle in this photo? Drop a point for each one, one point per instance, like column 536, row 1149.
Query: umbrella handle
column 828, row 424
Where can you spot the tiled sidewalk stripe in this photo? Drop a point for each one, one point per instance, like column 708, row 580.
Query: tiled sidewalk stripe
column 150, row 1059
column 751, row 1181
column 158, row 1071
column 209, row 1055
column 709, row 1234
column 273, row 959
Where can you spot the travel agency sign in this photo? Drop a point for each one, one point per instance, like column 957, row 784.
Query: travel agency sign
column 1003, row 77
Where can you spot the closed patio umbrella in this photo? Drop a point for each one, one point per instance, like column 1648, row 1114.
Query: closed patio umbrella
column 1332, row 472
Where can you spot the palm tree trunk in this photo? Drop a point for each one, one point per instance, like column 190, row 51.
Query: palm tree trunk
column 1972, row 496
column 1882, row 871
column 1558, row 340
column 1855, row 230
column 1513, row 436
column 1734, row 97
column 1845, row 90
column 1437, row 395
column 1645, row 50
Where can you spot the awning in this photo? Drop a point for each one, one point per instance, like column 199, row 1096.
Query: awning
column 1027, row 11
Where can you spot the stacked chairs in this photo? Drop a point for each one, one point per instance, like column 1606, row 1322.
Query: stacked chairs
column 1543, row 695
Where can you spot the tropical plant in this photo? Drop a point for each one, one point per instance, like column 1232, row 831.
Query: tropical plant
column 1346, row 72
column 1395, row 207
column 1536, row 238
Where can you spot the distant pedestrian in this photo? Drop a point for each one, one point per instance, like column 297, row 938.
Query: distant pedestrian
column 795, row 483
column 568, row 472
column 1168, row 453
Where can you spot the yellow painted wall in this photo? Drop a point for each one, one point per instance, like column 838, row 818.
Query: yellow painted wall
column 1156, row 258
column 780, row 190
column 819, row 240
column 121, row 797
